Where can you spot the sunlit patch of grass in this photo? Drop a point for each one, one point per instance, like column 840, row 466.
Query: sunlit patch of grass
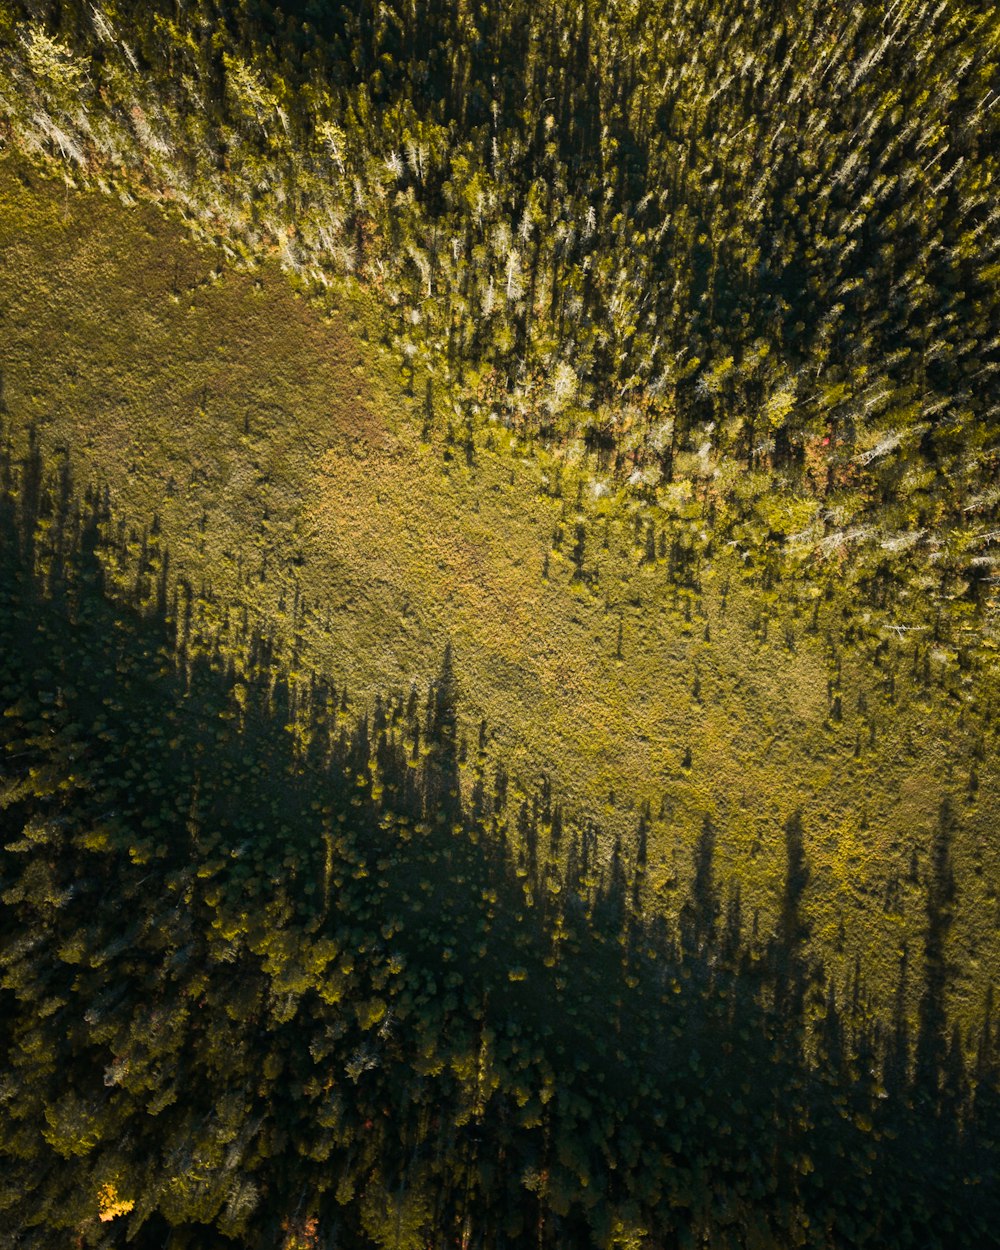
column 285, row 465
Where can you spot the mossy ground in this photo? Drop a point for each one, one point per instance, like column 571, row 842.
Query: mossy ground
column 277, row 447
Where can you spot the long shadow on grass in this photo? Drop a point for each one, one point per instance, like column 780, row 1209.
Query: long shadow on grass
column 270, row 979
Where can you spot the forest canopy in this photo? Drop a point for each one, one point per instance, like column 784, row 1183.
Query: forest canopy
column 279, row 967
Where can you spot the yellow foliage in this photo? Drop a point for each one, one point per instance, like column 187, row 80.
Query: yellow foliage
column 370, row 1012
column 778, row 406
column 718, row 373
column 110, row 1205
column 52, row 61
column 627, row 1236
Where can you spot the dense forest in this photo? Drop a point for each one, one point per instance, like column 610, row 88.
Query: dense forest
column 283, row 967
column 746, row 257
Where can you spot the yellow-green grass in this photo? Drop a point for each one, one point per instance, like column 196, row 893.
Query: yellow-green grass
column 262, row 429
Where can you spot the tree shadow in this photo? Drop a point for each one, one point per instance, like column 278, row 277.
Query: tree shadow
column 265, row 964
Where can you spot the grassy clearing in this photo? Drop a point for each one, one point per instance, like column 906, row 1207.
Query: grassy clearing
column 281, row 456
